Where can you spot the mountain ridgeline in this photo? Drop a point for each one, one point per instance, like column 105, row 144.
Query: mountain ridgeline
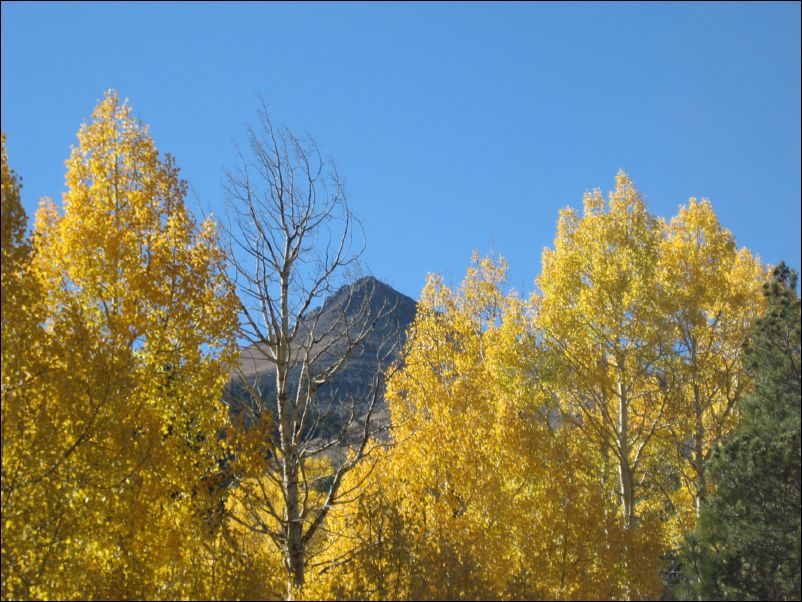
column 368, row 310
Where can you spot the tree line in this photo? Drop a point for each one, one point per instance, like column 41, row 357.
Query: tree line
column 631, row 430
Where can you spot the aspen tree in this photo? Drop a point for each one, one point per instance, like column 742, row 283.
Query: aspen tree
column 141, row 324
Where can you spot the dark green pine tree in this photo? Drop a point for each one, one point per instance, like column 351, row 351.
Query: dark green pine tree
column 747, row 543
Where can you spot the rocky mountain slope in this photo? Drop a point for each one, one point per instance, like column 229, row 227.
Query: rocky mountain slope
column 367, row 303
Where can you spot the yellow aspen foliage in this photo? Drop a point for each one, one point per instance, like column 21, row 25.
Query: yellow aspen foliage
column 254, row 513
column 600, row 313
column 484, row 494
column 644, row 323
column 431, row 490
column 549, row 448
column 30, row 433
column 255, row 510
column 712, row 296
column 14, row 222
column 140, row 323
column 364, row 552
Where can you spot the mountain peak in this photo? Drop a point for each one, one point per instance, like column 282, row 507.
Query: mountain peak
column 381, row 294
column 365, row 301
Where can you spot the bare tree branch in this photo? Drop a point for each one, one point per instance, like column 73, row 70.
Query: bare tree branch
column 294, row 243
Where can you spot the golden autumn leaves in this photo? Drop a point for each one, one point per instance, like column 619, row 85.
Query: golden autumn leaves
column 555, row 448
column 107, row 445
column 484, row 496
column 551, row 447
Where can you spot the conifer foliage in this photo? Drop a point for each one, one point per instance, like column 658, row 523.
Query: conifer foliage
column 747, row 544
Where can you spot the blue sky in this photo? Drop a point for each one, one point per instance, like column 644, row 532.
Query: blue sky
column 456, row 126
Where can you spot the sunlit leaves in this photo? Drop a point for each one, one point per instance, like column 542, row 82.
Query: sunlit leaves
column 139, row 321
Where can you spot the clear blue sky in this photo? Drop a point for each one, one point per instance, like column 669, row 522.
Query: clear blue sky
column 456, row 126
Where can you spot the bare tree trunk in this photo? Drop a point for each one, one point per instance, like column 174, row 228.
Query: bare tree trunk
column 291, row 243
column 699, row 451
column 296, row 563
column 624, row 469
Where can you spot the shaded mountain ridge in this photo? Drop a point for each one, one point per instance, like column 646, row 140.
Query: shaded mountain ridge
column 366, row 306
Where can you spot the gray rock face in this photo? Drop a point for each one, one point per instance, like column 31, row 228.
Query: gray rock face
column 367, row 305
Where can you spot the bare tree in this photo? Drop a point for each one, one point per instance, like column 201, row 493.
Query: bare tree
column 294, row 242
